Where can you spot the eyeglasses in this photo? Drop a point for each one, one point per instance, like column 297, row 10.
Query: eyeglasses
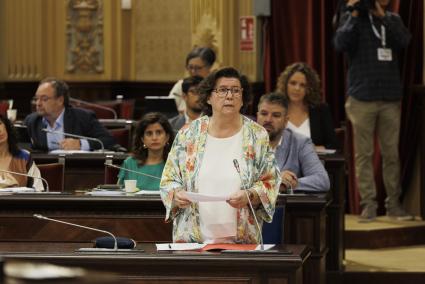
column 195, row 68
column 43, row 99
column 222, row 92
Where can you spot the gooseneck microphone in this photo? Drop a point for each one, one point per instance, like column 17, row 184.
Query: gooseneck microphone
column 136, row 172
column 76, row 136
column 27, row 175
column 236, row 164
column 115, row 249
column 95, row 106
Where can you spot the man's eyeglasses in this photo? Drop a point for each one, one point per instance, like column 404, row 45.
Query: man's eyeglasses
column 43, row 99
column 222, row 92
column 195, row 68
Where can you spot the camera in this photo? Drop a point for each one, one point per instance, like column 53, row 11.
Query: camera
column 365, row 5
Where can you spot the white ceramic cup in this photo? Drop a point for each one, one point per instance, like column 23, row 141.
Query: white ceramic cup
column 130, row 185
column 11, row 114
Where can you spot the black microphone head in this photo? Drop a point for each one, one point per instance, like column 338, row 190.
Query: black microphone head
column 109, row 242
column 119, row 148
column 236, row 164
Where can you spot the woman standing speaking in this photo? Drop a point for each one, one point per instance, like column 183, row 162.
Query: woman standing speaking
column 202, row 158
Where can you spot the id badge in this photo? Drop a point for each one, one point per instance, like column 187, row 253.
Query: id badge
column 385, row 54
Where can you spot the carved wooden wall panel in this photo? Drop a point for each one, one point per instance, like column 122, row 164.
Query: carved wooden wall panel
column 84, row 32
column 162, row 39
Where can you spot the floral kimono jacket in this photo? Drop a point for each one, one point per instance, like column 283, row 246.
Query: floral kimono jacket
column 258, row 170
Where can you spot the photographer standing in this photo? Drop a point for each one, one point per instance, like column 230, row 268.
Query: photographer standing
column 371, row 37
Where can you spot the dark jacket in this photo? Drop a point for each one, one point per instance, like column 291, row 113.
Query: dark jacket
column 368, row 78
column 76, row 121
column 322, row 127
column 177, row 122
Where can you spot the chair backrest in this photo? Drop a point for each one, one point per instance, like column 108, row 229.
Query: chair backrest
column 54, row 175
column 4, row 105
column 111, row 175
column 122, row 136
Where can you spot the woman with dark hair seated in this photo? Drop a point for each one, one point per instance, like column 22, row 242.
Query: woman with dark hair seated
column 14, row 159
column 152, row 143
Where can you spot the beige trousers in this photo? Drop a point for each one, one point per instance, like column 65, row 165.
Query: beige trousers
column 384, row 118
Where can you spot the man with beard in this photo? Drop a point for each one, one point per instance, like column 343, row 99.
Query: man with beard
column 191, row 98
column 298, row 162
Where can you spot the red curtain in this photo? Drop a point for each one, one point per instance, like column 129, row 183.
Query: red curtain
column 302, row 31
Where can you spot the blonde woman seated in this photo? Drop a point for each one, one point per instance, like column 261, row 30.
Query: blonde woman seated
column 300, row 84
column 16, row 160
column 152, row 143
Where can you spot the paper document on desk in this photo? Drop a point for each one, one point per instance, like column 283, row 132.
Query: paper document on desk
column 199, row 197
column 325, row 151
column 17, row 189
column 59, row 151
column 147, row 192
column 179, row 246
column 106, row 193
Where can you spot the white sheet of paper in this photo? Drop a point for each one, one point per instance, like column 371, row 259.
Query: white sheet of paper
column 179, row 246
column 106, row 193
column 198, row 197
column 325, row 151
column 147, row 192
column 17, row 189
column 266, row 247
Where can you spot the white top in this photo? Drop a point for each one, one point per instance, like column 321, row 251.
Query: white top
column 177, row 93
column 218, row 176
column 303, row 129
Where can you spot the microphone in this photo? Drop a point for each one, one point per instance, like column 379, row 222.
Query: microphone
column 76, row 136
column 95, row 106
column 236, row 164
column 289, row 189
column 27, row 175
column 136, row 172
column 114, row 249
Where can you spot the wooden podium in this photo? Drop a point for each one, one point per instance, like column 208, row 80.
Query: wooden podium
column 151, row 266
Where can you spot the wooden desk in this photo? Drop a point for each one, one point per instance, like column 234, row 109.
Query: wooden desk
column 142, row 218
column 305, row 223
column 171, row 267
column 335, row 166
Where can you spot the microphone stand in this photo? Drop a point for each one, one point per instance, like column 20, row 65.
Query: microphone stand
column 96, row 106
column 77, row 136
column 26, row 175
column 136, row 172
column 115, row 249
column 236, row 164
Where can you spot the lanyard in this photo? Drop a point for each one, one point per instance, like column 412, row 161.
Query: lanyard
column 381, row 36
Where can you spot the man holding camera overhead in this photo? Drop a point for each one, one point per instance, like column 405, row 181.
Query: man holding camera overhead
column 371, row 37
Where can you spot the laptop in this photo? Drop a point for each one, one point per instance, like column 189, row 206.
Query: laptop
column 162, row 104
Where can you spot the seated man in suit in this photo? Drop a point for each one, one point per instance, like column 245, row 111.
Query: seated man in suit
column 298, row 162
column 191, row 98
column 54, row 113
